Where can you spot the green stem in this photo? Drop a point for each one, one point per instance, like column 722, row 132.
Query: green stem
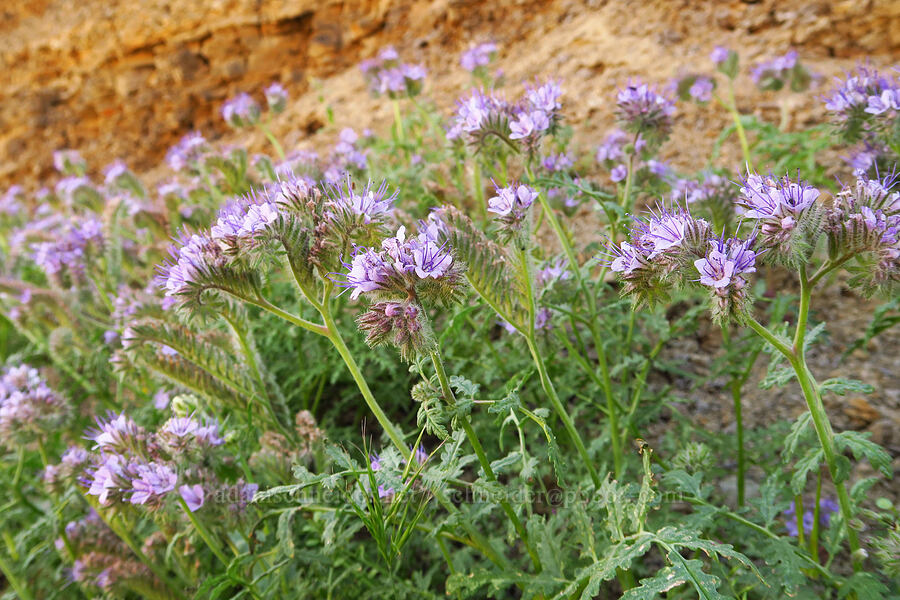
column 478, row 189
column 272, row 140
column 629, row 178
column 335, row 337
column 398, row 120
column 814, row 536
column 739, row 422
column 819, row 417
column 547, row 385
column 207, row 538
column 298, row 321
column 738, row 126
column 483, row 459
column 612, row 413
column 798, row 517
column 14, row 581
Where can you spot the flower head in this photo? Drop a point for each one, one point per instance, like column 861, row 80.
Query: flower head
column 276, row 97
column 478, row 56
column 642, row 110
column 241, row 111
column 151, row 483
column 193, row 496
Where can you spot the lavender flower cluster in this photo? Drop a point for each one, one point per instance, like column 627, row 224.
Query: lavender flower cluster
column 536, row 114
column 131, row 466
column 402, row 275
column 643, row 111
column 101, row 560
column 30, row 411
column 387, row 75
column 478, row 56
column 775, row 73
column 69, row 255
column 865, row 107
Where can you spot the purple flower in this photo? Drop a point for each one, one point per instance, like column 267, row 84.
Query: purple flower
column 726, row 262
column 161, row 399
column 68, row 161
column 545, row 97
column 827, row 507
column 193, row 496
column 114, row 170
column 152, row 481
column 187, row 151
column 719, row 55
column 419, row 455
column 370, row 203
column 557, row 162
column 375, row 463
column 775, row 69
column 117, row 433
column 764, row 198
column 180, row 426
column 386, row 493
column 511, row 199
column 430, row 260
column 241, row 110
column 109, row 479
column 887, row 100
column 529, row 124
column 642, row 110
column 612, row 147
column 618, row 173
column 702, row 89
column 477, row 56
column 368, row 272
column 276, row 97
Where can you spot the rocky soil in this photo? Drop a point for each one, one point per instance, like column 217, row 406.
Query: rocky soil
column 118, row 78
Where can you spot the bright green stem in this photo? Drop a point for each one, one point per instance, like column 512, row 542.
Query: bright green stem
column 814, row 536
column 612, row 411
column 741, row 454
column 629, row 179
column 272, row 140
column 398, row 120
column 736, row 384
column 210, row 542
column 483, row 459
column 819, row 417
column 478, row 189
column 335, row 337
column 298, row 321
column 14, row 580
column 738, row 126
column 547, row 385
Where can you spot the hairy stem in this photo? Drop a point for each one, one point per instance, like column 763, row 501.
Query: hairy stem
column 483, row 459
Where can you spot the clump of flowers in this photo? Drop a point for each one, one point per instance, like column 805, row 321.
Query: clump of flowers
column 135, row 467
column 478, row 57
column 865, row 107
column 643, row 111
column 102, row 561
column 723, row 270
column 511, row 205
column 775, row 73
column 241, row 111
column 863, row 224
column 521, row 125
column 661, row 252
column 786, row 214
column 276, row 97
column 66, row 260
column 188, row 152
column 698, row 88
column 30, row 411
column 387, row 75
column 401, row 276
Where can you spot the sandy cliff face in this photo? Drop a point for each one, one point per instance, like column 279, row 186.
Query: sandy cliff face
column 126, row 78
